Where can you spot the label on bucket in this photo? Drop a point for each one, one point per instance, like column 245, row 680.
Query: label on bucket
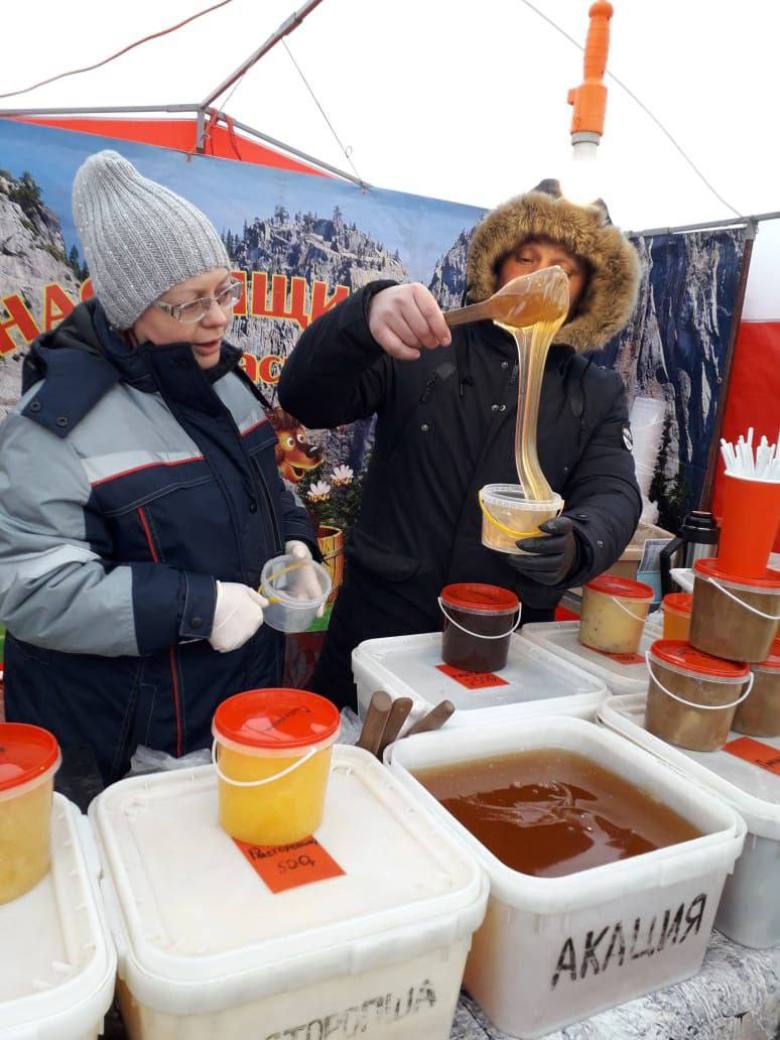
column 620, row 658
column 755, row 752
column 289, row 866
column 472, row 680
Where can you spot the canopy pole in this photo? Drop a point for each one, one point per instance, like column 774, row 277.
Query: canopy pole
column 288, row 26
column 753, row 218
column 200, row 127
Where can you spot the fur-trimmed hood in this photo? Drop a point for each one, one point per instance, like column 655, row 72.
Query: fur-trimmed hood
column 611, row 291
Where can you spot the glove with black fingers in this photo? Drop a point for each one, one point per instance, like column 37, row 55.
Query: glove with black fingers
column 551, row 558
column 238, row 614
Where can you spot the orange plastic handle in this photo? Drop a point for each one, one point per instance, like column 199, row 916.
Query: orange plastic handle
column 590, row 98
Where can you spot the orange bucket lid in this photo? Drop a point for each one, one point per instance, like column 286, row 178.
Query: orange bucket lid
column 687, row 658
column 26, row 752
column 487, row 599
column 682, row 602
column 276, row 719
column 709, row 567
column 621, row 587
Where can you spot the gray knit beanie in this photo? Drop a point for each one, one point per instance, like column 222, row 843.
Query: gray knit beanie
column 139, row 238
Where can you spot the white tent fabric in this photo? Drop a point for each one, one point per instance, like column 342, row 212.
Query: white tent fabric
column 461, row 101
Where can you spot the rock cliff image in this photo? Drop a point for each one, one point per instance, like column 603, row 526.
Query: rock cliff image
column 32, row 255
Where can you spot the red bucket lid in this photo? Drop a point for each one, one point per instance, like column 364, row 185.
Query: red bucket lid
column 623, row 587
column 682, row 655
column 682, row 602
column 26, row 752
column 470, row 595
column 276, row 719
column 773, row 661
column 709, row 567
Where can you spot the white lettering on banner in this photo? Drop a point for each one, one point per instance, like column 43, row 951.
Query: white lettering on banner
column 360, row 1019
column 621, row 943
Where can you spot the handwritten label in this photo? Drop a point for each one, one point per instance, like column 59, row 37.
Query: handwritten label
column 618, row 943
column 289, row 866
column 472, row 680
column 755, row 752
column 379, row 1013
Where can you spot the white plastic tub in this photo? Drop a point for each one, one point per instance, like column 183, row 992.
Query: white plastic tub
column 534, row 682
column 542, row 959
column 621, row 676
column 750, row 909
column 207, row 951
column 57, row 962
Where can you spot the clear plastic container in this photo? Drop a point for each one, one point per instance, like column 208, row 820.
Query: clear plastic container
column 29, row 758
column 478, row 623
column 614, row 611
column 733, row 617
column 692, row 696
column 526, row 963
column 209, row 951
column 749, row 912
column 535, row 681
column 677, row 608
column 295, row 590
column 507, row 516
column 272, row 755
column 57, row 960
column 759, row 715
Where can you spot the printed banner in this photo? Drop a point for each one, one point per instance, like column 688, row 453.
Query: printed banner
column 300, row 244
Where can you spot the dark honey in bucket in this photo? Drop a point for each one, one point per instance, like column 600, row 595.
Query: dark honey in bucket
column 550, row 812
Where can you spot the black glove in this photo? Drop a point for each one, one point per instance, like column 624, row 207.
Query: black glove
column 552, row 558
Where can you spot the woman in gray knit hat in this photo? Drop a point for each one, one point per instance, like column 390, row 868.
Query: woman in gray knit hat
column 140, row 495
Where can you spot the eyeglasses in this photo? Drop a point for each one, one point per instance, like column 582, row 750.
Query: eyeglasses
column 196, row 310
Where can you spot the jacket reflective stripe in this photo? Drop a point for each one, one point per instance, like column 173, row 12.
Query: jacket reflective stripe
column 102, row 468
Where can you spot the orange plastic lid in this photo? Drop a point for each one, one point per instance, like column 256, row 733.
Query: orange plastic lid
column 26, row 752
column 709, row 567
column 487, row 599
column 682, row 602
column 772, row 662
column 682, row 655
column 276, row 719
column 622, row 587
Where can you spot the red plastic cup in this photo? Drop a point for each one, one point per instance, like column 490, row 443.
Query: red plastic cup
column 751, row 518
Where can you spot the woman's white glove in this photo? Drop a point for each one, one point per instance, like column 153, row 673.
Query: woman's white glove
column 238, row 614
column 307, row 585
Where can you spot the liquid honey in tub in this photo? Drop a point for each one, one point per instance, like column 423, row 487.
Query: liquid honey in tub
column 550, row 812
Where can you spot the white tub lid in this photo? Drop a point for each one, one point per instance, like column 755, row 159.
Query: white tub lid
column 409, row 666
column 752, row 790
column 57, row 963
column 190, row 909
column 562, row 637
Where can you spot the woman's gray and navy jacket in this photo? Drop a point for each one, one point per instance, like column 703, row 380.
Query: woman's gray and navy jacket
column 130, row 480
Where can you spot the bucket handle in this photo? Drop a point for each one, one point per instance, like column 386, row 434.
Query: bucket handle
column 266, row 779
column 278, row 574
column 690, row 704
column 742, row 603
column 624, row 608
column 478, row 635
column 508, row 530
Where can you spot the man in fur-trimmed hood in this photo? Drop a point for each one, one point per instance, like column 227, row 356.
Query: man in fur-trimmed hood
column 586, row 233
column 446, row 424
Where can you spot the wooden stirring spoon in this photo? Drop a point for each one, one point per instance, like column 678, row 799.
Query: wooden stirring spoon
column 526, row 300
